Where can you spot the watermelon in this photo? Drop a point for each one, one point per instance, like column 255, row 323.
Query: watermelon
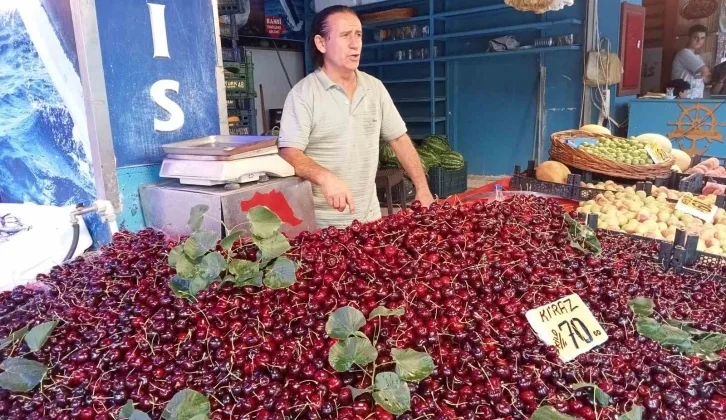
column 435, row 143
column 429, row 156
column 452, row 160
column 387, row 157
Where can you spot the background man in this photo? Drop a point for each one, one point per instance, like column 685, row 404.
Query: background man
column 687, row 65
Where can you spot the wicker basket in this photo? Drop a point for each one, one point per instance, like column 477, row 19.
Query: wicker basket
column 579, row 159
column 391, row 14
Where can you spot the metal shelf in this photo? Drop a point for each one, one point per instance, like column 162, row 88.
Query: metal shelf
column 509, row 29
column 395, row 22
column 510, row 53
column 470, row 11
column 412, row 100
column 383, row 5
column 420, row 80
column 423, row 119
column 396, row 42
column 395, row 62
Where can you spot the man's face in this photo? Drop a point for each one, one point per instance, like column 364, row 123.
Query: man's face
column 342, row 46
column 697, row 39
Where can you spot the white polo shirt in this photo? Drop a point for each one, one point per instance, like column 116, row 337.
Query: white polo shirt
column 342, row 136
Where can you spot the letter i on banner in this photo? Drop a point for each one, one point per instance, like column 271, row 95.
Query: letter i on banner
column 159, row 89
column 158, row 30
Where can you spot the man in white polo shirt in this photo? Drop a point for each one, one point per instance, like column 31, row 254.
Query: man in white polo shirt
column 333, row 120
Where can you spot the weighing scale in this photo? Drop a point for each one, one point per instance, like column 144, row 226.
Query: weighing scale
column 219, row 160
column 230, row 175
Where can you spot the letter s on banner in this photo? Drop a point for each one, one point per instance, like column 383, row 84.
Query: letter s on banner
column 176, row 114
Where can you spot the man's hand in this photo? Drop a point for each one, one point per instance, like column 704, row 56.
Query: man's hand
column 425, row 197
column 337, row 193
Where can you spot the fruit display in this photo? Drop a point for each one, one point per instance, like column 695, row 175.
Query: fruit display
column 552, row 171
column 451, row 283
column 637, row 213
column 709, row 167
column 620, row 150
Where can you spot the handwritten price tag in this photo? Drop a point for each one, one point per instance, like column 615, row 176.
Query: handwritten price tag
column 697, row 208
column 568, row 325
column 656, row 153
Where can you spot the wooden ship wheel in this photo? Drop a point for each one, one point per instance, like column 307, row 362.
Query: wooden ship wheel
column 697, row 123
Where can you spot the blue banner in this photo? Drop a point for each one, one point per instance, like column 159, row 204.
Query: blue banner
column 160, row 77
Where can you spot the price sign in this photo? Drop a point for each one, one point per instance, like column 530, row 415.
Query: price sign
column 567, row 324
column 697, row 208
column 656, row 153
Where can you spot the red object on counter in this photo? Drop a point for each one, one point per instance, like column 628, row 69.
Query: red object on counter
column 275, row 201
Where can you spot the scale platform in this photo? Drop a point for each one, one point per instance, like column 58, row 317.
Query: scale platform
column 216, row 160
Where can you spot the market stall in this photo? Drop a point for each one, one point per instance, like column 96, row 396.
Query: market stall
column 589, row 286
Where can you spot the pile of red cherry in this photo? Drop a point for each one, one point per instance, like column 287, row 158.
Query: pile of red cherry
column 465, row 275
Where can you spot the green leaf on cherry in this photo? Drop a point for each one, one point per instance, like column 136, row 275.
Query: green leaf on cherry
column 21, row 375
column 13, row 337
column 272, row 247
column 180, row 287
column 211, row 265
column 176, row 254
column 642, row 306
column 127, row 410
column 392, row 393
column 39, row 334
column 344, row 322
column 230, row 239
column 245, row 272
column 549, row 413
column 709, row 345
column 196, row 217
column 263, row 221
column 197, row 284
column 635, row 413
column 663, row 334
column 601, row 397
column 352, row 351
column 412, row 365
column 383, row 311
column 200, row 243
column 186, row 404
column 357, row 392
column 280, row 275
column 185, row 268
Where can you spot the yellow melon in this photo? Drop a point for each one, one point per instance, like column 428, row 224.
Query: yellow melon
column 595, row 129
column 552, row 171
column 683, row 161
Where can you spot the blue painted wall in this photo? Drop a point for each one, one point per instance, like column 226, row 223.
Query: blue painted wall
column 494, row 99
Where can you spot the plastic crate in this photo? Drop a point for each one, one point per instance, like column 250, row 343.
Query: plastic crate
column 229, row 7
column 526, row 181
column 405, row 189
column 238, row 80
column 230, row 54
column 446, row 182
column 245, row 122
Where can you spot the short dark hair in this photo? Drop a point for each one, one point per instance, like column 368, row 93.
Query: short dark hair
column 320, row 27
column 678, row 85
column 696, row 29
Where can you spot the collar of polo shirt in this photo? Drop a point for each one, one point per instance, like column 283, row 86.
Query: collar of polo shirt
column 327, row 83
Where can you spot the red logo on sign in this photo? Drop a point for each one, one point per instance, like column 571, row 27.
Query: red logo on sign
column 275, row 201
column 274, row 26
